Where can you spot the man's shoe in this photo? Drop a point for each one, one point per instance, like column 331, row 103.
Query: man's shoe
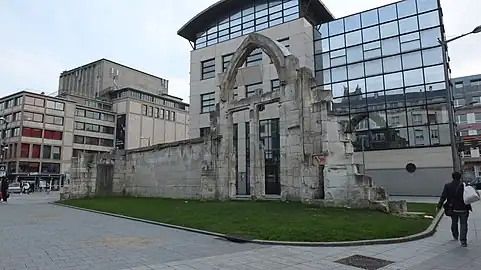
column 455, row 237
column 464, row 244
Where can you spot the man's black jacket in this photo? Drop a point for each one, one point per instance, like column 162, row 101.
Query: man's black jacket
column 453, row 193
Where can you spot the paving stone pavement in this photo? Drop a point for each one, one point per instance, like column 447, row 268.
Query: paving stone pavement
column 37, row 235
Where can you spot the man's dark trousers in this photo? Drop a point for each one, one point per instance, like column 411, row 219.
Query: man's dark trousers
column 462, row 218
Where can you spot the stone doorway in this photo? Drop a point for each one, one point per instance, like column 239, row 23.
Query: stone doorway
column 105, row 177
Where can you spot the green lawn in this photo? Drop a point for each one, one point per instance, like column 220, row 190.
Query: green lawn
column 267, row 220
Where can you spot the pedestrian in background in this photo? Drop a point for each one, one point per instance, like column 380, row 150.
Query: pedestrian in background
column 4, row 189
column 456, row 208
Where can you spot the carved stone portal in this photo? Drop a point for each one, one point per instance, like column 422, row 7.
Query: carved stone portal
column 315, row 148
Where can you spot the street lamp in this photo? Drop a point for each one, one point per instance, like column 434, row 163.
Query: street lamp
column 449, row 94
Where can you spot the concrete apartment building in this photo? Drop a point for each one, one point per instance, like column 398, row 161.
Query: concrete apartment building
column 384, row 66
column 467, row 91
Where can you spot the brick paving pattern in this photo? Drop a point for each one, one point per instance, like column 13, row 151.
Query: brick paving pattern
column 37, row 235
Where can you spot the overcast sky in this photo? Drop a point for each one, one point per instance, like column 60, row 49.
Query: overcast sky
column 41, row 38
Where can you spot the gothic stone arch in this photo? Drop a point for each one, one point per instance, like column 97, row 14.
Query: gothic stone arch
column 276, row 52
column 287, row 67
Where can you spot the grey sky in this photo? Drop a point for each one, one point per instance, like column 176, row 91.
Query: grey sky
column 41, row 38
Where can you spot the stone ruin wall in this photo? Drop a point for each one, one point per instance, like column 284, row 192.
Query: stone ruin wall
column 183, row 169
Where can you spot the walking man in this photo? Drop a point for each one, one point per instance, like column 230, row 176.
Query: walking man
column 456, row 208
column 4, row 189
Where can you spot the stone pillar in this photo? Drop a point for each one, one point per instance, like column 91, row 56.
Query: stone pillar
column 257, row 159
column 292, row 157
column 231, row 184
column 224, row 164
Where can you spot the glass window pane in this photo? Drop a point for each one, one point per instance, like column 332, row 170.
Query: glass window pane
column 336, row 27
column 406, row 8
column 326, row 60
column 419, row 136
column 429, row 20
column 389, row 29
column 326, row 75
column 373, row 67
column 410, row 45
column 324, row 30
column 357, row 86
column 437, row 114
column 393, row 80
column 337, row 42
column 387, row 13
column 392, row 64
column 354, row 54
column 426, row 5
column 353, row 38
column 374, row 84
column 338, row 89
column 370, row 54
column 339, row 74
column 338, row 57
column 325, row 45
column 413, row 77
column 429, row 38
column 355, row 71
column 408, row 25
column 390, row 46
column 434, row 74
column 412, row 60
column 369, row 18
column 433, row 56
column 352, row 22
column 370, row 34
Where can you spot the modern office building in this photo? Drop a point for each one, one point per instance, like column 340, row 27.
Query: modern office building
column 37, row 134
column 384, row 66
column 467, row 93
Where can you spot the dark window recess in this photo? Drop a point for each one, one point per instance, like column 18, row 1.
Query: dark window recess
column 204, row 132
column 50, row 167
column 255, row 58
column 208, row 69
column 207, row 102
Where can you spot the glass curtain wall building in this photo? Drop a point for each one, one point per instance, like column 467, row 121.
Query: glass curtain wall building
column 385, row 69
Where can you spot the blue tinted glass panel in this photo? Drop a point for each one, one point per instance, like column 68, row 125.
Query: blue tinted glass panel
column 387, row 13
column 352, row 22
column 428, row 20
column 406, row 8
column 426, row 5
column 369, row 18
column 336, row 27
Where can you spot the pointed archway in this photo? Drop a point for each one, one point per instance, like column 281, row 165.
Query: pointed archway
column 286, row 66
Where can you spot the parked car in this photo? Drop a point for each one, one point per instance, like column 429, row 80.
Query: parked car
column 476, row 183
column 14, row 188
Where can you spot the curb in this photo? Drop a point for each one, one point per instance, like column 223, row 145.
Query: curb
column 426, row 233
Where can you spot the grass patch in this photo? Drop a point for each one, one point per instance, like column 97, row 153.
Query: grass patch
column 267, row 220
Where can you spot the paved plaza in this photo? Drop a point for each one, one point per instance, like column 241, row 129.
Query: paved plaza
column 38, row 235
